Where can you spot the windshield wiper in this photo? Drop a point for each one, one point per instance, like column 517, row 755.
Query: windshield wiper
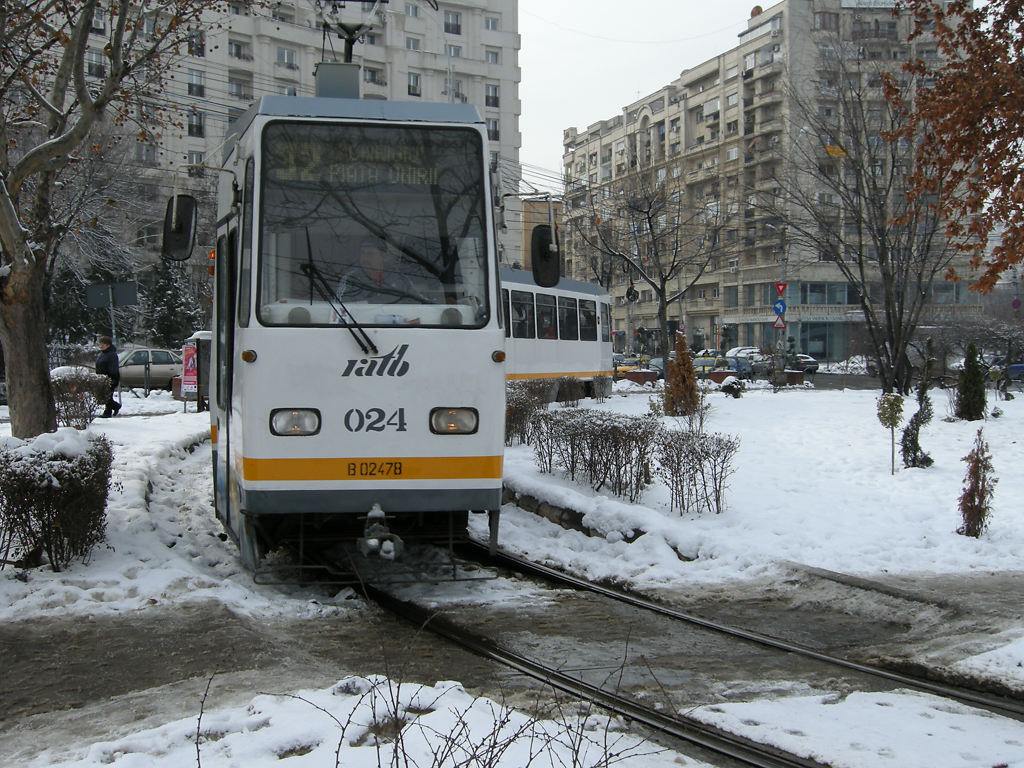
column 328, row 294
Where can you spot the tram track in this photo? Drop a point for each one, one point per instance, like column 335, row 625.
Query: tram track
column 571, row 678
column 1001, row 705
column 743, row 751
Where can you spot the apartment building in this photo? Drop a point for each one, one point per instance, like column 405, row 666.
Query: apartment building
column 749, row 134
column 465, row 51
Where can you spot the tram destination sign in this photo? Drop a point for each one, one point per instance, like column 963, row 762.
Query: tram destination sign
column 314, row 162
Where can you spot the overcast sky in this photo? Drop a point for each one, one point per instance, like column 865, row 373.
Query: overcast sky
column 583, row 60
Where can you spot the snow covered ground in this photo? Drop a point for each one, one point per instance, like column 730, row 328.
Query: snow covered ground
column 812, row 486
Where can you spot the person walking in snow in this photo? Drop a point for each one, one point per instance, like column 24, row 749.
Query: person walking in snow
column 106, row 365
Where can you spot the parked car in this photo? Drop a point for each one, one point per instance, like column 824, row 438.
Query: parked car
column 163, row 365
column 657, row 364
column 745, row 351
column 1015, row 371
column 741, row 365
column 805, row 363
column 702, row 366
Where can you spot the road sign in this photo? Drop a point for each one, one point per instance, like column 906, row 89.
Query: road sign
column 779, row 307
column 781, row 288
column 100, row 294
column 779, row 322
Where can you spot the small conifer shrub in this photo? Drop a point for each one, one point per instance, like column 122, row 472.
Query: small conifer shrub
column 970, row 388
column 979, row 486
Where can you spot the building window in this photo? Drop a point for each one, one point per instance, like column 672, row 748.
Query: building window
column 491, row 96
column 411, row 9
column 454, row 51
column 732, row 153
column 196, row 124
column 492, row 56
column 283, row 90
column 732, row 100
column 414, row 84
column 492, row 23
column 94, row 64
column 372, row 39
column 453, row 88
column 195, row 164
column 195, row 83
column 493, row 131
column 412, row 43
column 828, row 21
column 98, row 26
column 145, row 154
column 238, row 49
column 374, row 75
column 284, row 14
column 240, row 89
column 286, row 57
column 453, row 22
column 197, row 43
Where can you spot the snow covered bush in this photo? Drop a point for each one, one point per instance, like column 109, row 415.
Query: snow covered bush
column 570, row 391
column 605, row 450
column 77, row 395
column 696, row 466
column 522, row 400
column 53, row 495
column 979, row 486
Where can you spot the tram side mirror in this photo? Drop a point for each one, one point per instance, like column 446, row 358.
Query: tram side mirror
column 179, row 228
column 544, row 256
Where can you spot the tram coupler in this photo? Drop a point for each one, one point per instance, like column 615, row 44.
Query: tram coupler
column 377, row 540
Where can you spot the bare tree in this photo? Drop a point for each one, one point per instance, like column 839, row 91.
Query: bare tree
column 843, row 198
column 66, row 70
column 644, row 222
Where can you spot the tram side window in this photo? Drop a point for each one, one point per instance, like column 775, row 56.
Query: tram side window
column 505, row 313
column 588, row 320
column 606, row 322
column 547, row 321
column 522, row 315
column 568, row 319
column 245, row 271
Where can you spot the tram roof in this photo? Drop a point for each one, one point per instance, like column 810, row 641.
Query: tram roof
column 358, row 109
column 525, row 277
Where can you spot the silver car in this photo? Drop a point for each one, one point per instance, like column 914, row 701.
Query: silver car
column 162, row 365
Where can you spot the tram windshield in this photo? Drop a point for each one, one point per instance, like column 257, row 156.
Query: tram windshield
column 372, row 225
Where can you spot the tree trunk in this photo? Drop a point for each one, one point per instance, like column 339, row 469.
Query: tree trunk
column 23, row 335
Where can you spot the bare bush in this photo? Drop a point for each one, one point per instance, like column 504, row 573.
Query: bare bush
column 602, row 449
column 570, row 391
column 53, row 495
column 696, row 467
column 522, row 400
column 76, row 397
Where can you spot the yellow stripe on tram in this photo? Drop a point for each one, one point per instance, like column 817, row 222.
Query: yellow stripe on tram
column 369, row 468
column 574, row 374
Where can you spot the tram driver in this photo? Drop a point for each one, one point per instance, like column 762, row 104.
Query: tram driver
column 375, row 279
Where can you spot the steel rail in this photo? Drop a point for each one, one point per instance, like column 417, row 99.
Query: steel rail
column 991, row 702
column 686, row 729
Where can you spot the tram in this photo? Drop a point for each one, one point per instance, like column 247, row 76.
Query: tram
column 557, row 332
column 357, row 366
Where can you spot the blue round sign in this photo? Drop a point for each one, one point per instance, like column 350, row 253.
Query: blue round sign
column 780, row 307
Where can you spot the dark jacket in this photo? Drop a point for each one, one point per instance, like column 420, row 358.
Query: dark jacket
column 106, row 365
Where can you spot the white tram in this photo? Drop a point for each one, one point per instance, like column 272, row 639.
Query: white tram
column 556, row 332
column 366, row 416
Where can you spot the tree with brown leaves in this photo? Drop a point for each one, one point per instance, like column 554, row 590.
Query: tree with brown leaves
column 68, row 70
column 681, row 398
column 970, row 158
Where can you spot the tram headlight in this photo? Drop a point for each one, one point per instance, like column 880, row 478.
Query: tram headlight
column 454, row 421
column 294, row 422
